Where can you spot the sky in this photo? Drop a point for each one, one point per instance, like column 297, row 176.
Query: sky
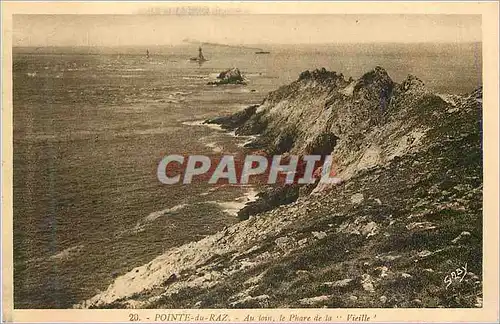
column 130, row 30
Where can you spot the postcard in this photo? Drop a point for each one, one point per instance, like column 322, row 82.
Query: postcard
column 250, row 162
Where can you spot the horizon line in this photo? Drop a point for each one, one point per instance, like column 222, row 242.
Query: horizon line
column 246, row 44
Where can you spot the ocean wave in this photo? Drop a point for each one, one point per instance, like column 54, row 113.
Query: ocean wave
column 76, row 69
column 154, row 131
column 202, row 123
column 129, row 76
column 243, row 139
column 233, row 207
column 211, row 142
column 195, row 77
column 230, row 207
column 215, row 147
column 133, row 69
column 246, row 140
column 168, row 101
column 157, row 214
column 52, row 138
column 67, row 253
column 94, row 135
column 140, row 226
column 181, row 93
column 209, row 191
column 255, row 74
column 214, row 75
column 176, row 97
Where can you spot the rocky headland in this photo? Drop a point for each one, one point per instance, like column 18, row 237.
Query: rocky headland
column 407, row 213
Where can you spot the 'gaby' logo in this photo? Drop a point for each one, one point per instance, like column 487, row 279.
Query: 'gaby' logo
column 287, row 169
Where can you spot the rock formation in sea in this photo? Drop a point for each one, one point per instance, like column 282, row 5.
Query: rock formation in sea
column 230, row 76
column 407, row 213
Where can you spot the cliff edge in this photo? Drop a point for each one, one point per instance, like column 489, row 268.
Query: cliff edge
column 407, row 214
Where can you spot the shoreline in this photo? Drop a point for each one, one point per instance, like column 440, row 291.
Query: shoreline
column 252, row 194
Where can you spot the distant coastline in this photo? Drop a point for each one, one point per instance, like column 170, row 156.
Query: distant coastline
column 139, row 49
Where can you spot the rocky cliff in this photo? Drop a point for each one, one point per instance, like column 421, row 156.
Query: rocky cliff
column 407, row 214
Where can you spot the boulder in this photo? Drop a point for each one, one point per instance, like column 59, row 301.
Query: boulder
column 251, row 302
column 319, row 235
column 269, row 199
column 367, row 283
column 314, row 300
column 339, row 283
column 357, row 198
column 461, row 237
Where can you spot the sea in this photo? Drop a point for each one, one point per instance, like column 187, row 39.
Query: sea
column 91, row 124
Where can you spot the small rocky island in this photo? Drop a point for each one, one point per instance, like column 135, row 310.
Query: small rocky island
column 230, row 76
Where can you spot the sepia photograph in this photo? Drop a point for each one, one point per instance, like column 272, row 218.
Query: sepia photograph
column 206, row 157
